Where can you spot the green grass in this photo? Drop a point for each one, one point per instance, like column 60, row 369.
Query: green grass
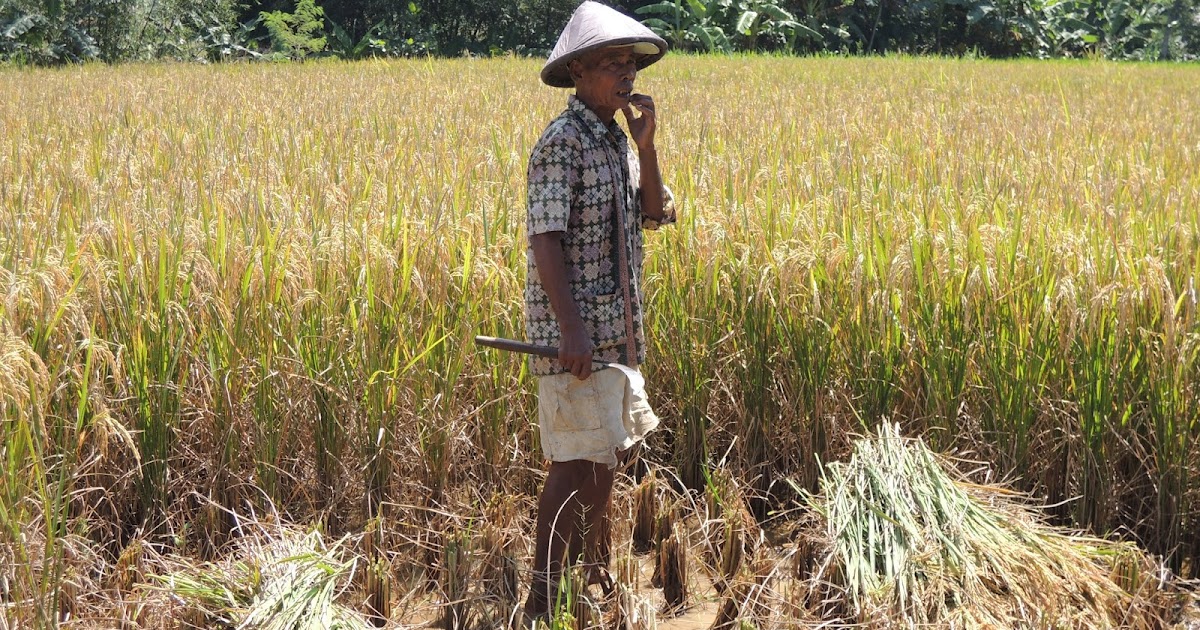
column 254, row 286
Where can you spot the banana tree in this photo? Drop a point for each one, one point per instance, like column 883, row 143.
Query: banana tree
column 689, row 24
column 52, row 37
column 767, row 18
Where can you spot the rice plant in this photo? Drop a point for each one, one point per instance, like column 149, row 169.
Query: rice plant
column 250, row 289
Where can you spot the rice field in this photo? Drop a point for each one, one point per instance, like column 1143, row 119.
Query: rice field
column 237, row 303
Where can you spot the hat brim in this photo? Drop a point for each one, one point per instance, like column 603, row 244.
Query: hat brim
column 556, row 73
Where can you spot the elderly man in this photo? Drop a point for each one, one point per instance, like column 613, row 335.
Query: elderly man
column 590, row 197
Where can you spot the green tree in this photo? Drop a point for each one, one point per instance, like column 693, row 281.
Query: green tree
column 299, row 34
column 70, row 31
column 1150, row 29
column 196, row 30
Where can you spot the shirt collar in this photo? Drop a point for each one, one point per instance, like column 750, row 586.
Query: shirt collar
column 593, row 122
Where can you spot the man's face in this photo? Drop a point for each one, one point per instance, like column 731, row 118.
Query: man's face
column 604, row 78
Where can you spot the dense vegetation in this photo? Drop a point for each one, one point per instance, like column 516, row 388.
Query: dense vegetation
column 64, row 31
column 241, row 291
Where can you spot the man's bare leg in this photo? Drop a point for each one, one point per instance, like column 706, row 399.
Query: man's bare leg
column 574, row 500
column 598, row 527
column 557, row 524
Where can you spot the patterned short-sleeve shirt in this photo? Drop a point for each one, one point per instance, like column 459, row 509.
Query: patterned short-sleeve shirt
column 581, row 174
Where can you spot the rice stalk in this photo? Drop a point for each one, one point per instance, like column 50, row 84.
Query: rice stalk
column 457, row 559
column 379, row 592
column 499, row 573
column 290, row 583
column 645, row 514
column 633, row 611
column 732, row 536
column 377, row 575
column 673, row 566
column 916, row 546
column 745, row 604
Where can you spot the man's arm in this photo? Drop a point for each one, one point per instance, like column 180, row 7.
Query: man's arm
column 574, row 346
column 651, row 184
column 642, row 130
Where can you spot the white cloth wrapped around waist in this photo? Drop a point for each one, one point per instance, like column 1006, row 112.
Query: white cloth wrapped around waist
column 593, row 419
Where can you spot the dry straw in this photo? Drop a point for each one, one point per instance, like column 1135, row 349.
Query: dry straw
column 287, row 580
column 912, row 544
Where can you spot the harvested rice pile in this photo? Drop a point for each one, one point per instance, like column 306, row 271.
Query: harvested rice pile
column 908, row 543
column 290, row 583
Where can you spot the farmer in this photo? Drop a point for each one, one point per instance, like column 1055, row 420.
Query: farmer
column 590, row 197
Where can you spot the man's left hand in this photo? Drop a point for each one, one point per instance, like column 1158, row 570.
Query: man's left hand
column 642, row 127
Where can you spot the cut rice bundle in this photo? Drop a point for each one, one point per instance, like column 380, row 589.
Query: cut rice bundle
column 909, row 543
column 290, row 583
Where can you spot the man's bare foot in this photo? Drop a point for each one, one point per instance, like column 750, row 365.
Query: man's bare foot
column 529, row 621
column 598, row 575
column 537, row 605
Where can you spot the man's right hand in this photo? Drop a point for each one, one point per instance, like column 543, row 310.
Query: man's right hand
column 575, row 351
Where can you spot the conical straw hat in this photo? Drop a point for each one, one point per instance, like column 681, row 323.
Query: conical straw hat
column 594, row 26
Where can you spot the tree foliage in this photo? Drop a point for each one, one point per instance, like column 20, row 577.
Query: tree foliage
column 49, row 32
column 723, row 25
column 299, row 34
